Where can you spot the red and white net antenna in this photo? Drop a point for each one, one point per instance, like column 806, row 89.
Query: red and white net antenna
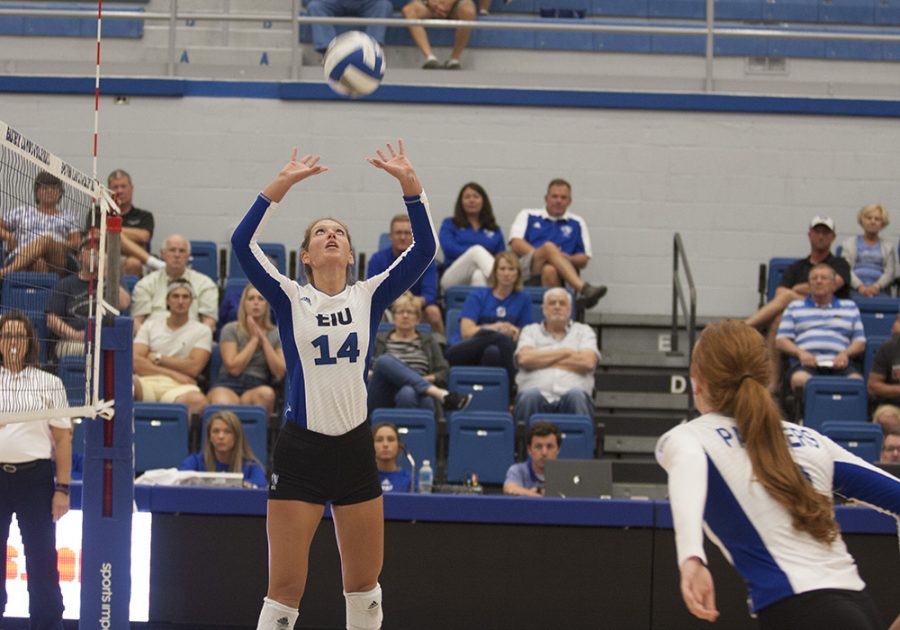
column 97, row 87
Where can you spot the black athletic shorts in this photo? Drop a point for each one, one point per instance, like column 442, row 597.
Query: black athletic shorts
column 825, row 609
column 316, row 468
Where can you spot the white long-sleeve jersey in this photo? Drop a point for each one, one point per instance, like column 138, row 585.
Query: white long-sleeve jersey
column 712, row 487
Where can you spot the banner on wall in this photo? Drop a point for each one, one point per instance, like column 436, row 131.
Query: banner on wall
column 68, row 547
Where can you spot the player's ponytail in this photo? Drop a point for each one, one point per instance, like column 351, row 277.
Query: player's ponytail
column 732, row 360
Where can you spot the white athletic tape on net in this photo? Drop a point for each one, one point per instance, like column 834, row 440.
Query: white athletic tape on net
column 104, row 409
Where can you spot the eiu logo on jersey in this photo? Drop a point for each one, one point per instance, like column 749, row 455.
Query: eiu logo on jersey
column 566, row 230
column 341, row 318
column 306, row 299
column 501, row 312
column 536, row 225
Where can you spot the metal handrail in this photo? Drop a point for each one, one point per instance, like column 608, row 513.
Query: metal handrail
column 711, row 29
column 689, row 310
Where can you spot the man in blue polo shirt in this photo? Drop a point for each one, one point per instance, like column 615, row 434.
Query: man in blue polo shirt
column 526, row 479
column 821, row 333
column 554, row 244
column 426, row 287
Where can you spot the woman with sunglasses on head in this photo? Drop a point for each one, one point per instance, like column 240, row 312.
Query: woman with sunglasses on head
column 325, row 452
column 27, row 485
column 762, row 488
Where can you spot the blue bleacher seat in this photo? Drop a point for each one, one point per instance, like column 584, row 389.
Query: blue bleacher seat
column 847, row 11
column 418, row 431
column 578, row 433
column 489, row 386
column 384, row 240
column 205, row 258
column 480, row 442
column 834, row 398
column 27, row 290
column 872, row 345
column 78, row 435
column 215, row 365
column 811, row 48
column 620, row 8
column 451, row 323
column 791, row 11
column 129, row 282
column 455, row 296
column 863, row 439
column 38, row 26
column 776, row 270
column 878, row 314
column 254, row 421
column 71, row 371
column 160, row 435
column 887, row 12
column 275, row 251
column 39, row 320
column 690, row 9
column 738, row 9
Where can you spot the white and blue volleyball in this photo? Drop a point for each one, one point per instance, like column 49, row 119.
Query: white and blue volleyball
column 354, row 64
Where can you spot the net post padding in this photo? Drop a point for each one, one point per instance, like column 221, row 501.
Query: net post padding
column 108, row 490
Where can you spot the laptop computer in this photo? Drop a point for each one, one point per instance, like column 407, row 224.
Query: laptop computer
column 578, row 478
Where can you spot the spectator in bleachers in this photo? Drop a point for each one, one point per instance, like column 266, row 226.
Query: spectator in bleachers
column 526, row 479
column 387, row 449
column 884, row 376
column 794, row 283
column 888, row 416
column 556, row 362
column 171, row 353
column 470, row 239
column 426, row 287
column 408, row 368
column 492, row 319
column 40, row 237
column 890, row 448
column 226, row 449
column 252, row 356
column 151, row 292
column 69, row 306
column 322, row 34
column 872, row 260
column 442, row 10
column 137, row 226
column 821, row 333
column 553, row 244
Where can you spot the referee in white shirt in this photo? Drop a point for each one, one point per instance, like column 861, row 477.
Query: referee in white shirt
column 27, row 486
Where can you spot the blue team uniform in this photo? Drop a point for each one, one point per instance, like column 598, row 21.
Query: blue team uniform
column 483, row 307
column 426, row 286
column 712, row 488
column 328, row 339
column 456, row 240
column 569, row 232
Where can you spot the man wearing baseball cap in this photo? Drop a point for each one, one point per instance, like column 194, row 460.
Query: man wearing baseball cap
column 795, row 280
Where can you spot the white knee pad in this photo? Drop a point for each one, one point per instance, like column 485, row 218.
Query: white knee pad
column 276, row 616
column 364, row 609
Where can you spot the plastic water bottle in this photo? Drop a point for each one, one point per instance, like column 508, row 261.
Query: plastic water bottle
column 426, row 477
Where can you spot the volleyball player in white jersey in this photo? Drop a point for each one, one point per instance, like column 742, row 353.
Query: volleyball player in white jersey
column 325, row 452
column 762, row 489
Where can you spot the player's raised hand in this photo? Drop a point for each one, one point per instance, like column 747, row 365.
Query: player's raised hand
column 294, row 171
column 399, row 166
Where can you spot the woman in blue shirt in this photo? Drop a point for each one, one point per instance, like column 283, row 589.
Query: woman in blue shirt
column 226, row 450
column 873, row 261
column 387, row 449
column 470, row 239
column 491, row 319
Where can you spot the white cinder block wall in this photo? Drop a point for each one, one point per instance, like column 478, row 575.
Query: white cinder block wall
column 739, row 187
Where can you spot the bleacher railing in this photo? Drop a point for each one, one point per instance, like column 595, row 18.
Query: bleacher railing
column 710, row 28
column 688, row 305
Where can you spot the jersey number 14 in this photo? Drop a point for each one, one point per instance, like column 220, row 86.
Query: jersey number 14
column 349, row 350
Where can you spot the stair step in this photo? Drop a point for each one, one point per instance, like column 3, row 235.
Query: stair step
column 666, row 383
column 643, row 360
column 644, row 400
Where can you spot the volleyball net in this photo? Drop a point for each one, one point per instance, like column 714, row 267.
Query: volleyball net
column 55, row 271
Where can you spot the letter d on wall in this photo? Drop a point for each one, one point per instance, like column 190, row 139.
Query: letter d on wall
column 678, row 384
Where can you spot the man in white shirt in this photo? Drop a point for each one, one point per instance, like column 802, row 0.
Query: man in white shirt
column 556, row 360
column 150, row 294
column 170, row 353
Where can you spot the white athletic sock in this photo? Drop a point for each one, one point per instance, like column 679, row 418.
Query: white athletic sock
column 364, row 609
column 275, row 616
column 155, row 264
